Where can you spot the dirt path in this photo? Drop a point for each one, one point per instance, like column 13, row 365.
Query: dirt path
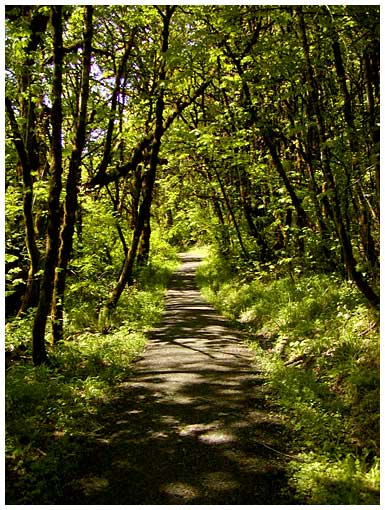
column 190, row 425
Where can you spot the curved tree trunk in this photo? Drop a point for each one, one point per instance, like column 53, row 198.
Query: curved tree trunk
column 39, row 353
column 27, row 147
column 31, row 292
column 148, row 182
column 73, row 179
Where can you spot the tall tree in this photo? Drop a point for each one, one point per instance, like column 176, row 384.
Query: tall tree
column 25, row 135
column 337, row 205
column 73, row 181
column 39, row 352
column 142, row 228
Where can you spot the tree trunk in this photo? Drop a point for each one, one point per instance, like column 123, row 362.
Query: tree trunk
column 358, row 201
column 126, row 273
column 223, row 238
column 39, row 353
column 144, row 242
column 343, row 235
column 148, row 182
column 231, row 213
column 371, row 66
column 27, row 147
column 303, row 218
column 32, row 292
column 73, row 179
column 114, row 103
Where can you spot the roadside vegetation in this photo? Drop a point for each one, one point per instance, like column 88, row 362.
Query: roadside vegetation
column 251, row 128
column 318, row 343
column 52, row 409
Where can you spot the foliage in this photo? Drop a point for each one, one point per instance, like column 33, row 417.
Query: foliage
column 253, row 128
column 51, row 410
column 319, row 346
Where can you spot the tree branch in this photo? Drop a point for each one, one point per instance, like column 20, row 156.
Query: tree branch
column 141, row 153
column 17, row 139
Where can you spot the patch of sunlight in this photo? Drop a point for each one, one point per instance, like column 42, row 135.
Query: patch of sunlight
column 217, row 437
column 170, row 420
column 219, row 481
column 180, row 490
column 247, row 316
column 194, row 429
column 159, row 435
column 92, row 484
column 185, row 399
column 103, row 440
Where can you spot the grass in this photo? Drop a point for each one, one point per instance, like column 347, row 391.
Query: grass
column 52, row 410
column 319, row 346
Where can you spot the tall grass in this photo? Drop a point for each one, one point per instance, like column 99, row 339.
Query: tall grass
column 319, row 345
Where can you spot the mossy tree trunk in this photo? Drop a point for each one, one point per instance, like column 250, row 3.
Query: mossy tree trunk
column 339, row 208
column 142, row 224
column 39, row 353
column 28, row 147
column 73, row 181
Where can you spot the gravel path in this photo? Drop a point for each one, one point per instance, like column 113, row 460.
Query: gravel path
column 191, row 425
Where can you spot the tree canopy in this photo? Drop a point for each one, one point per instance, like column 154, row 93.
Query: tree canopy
column 252, row 127
column 133, row 132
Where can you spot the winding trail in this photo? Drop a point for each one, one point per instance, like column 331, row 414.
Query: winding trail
column 190, row 426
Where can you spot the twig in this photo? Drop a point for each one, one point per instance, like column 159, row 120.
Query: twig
column 369, row 328
column 294, row 360
column 281, row 453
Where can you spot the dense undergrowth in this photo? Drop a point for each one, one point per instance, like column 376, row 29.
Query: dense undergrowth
column 52, row 410
column 319, row 346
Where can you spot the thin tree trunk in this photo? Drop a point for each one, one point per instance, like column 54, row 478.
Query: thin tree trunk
column 31, row 293
column 73, row 179
column 343, row 235
column 114, row 103
column 27, row 147
column 223, row 238
column 117, row 205
column 141, row 152
column 303, row 218
column 232, row 215
column 126, row 273
column 148, row 182
column 144, row 242
column 371, row 66
column 39, row 353
column 358, row 201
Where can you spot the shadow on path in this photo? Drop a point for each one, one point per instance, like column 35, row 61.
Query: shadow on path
column 190, row 426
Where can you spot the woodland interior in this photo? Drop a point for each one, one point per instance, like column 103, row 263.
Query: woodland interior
column 248, row 134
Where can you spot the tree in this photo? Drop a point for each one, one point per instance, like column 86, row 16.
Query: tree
column 73, row 182
column 254, row 127
column 26, row 137
column 54, row 216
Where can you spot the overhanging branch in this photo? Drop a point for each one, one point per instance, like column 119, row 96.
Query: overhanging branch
column 141, row 153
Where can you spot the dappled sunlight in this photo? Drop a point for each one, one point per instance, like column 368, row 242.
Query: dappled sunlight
column 92, row 484
column 181, row 491
column 192, row 419
column 217, row 437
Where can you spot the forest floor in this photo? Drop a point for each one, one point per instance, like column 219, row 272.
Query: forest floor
column 191, row 424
